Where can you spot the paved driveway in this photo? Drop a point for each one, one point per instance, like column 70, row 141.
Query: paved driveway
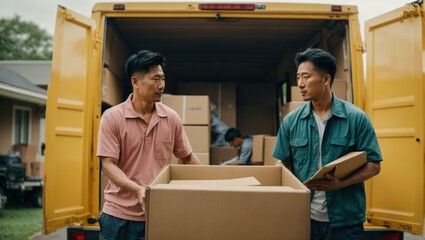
column 59, row 234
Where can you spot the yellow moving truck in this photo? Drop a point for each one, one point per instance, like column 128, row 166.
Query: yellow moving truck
column 249, row 47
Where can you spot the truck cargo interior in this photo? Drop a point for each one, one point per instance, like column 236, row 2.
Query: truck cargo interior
column 256, row 56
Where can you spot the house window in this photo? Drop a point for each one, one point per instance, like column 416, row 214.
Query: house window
column 21, row 125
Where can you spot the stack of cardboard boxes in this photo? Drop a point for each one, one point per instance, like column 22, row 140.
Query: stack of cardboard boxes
column 223, row 96
column 262, row 149
column 195, row 114
column 113, row 71
column 32, row 167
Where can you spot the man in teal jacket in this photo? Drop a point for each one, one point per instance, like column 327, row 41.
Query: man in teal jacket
column 322, row 130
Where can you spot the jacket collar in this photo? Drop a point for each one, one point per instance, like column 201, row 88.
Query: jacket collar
column 337, row 108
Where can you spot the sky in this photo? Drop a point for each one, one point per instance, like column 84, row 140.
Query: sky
column 43, row 12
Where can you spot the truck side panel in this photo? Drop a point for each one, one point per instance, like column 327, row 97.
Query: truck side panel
column 395, row 104
column 69, row 121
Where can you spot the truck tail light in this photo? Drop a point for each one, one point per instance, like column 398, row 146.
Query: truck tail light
column 77, row 236
column 393, row 236
column 226, row 6
column 336, row 8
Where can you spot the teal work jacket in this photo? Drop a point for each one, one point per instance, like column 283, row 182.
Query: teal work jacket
column 347, row 129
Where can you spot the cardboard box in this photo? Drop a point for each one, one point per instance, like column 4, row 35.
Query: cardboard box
column 37, row 169
column 339, row 88
column 115, row 53
column 223, row 95
column 269, row 144
column 203, row 157
column 257, row 148
column 112, row 88
column 193, row 110
column 193, row 212
column 221, row 154
column 27, row 152
column 199, row 137
column 296, row 94
column 342, row 167
column 289, row 107
column 28, row 169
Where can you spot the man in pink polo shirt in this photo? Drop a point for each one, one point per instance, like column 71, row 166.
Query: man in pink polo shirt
column 136, row 140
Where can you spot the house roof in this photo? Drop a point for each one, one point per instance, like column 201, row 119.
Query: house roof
column 15, row 86
column 37, row 71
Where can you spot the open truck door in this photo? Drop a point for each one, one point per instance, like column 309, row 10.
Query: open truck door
column 395, row 104
column 69, row 121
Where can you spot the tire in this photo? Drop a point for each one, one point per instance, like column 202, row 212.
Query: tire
column 3, row 199
column 37, row 197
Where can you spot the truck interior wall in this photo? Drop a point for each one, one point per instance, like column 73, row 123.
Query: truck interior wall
column 258, row 72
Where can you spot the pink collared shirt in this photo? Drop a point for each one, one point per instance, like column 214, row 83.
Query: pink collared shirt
column 142, row 151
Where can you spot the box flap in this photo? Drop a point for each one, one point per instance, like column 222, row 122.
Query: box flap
column 266, row 175
column 246, row 181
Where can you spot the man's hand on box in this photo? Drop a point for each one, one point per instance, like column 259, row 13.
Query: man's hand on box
column 326, row 184
column 141, row 194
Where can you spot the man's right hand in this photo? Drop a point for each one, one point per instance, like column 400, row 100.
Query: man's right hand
column 141, row 195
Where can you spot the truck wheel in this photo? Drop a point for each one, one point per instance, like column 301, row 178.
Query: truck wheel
column 37, row 197
column 3, row 199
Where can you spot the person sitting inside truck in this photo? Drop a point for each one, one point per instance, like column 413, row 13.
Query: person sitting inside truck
column 243, row 144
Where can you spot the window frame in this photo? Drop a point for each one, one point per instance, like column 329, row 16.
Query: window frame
column 14, row 125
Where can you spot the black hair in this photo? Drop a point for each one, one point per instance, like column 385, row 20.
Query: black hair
column 231, row 134
column 321, row 60
column 142, row 61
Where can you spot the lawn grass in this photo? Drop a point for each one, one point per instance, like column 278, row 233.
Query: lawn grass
column 19, row 220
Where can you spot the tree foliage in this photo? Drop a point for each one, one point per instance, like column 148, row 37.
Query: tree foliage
column 23, row 40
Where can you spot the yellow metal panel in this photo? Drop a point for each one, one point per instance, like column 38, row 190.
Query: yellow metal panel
column 190, row 9
column 395, row 104
column 69, row 122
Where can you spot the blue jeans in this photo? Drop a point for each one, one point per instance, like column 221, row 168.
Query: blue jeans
column 322, row 231
column 113, row 228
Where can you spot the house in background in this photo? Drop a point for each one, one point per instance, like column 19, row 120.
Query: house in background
column 38, row 72
column 22, row 116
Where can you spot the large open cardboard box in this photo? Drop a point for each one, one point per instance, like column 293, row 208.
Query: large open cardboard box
column 221, row 212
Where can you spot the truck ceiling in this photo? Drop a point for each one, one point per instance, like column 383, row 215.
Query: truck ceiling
column 225, row 49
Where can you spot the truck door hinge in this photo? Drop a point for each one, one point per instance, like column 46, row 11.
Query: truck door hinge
column 96, row 40
column 411, row 10
column 361, row 47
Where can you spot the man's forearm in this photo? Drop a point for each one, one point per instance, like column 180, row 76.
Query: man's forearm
column 191, row 159
column 118, row 177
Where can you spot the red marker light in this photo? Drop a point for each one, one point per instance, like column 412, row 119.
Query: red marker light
column 226, row 6
column 119, row 7
column 336, row 8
